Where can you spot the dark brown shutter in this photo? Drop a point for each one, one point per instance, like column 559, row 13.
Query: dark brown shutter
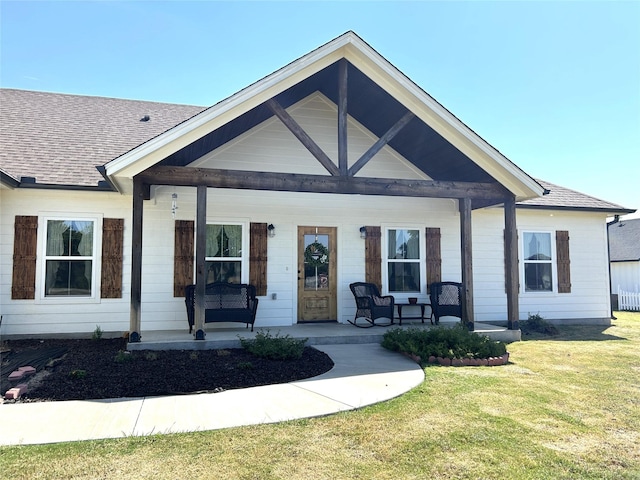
column 564, row 263
column 434, row 256
column 183, row 256
column 112, row 237
column 258, row 257
column 373, row 257
column 25, row 245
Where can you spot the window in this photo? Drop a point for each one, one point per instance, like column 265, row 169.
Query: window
column 224, row 261
column 69, row 258
column 403, row 260
column 538, row 264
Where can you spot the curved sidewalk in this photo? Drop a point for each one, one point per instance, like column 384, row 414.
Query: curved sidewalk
column 363, row 374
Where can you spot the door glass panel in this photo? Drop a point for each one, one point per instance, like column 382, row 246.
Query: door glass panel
column 316, row 262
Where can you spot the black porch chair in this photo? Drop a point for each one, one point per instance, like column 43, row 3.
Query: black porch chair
column 446, row 300
column 370, row 305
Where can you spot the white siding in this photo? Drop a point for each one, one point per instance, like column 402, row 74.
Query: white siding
column 589, row 297
column 60, row 316
column 625, row 275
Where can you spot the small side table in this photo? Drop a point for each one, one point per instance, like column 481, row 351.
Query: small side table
column 422, row 308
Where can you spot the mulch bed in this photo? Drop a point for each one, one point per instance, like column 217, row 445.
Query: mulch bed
column 98, row 369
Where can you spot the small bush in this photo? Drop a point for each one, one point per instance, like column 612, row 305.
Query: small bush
column 275, row 347
column 151, row 356
column 123, row 356
column 537, row 324
column 193, row 355
column 245, row 366
column 455, row 342
column 97, row 333
column 78, row 374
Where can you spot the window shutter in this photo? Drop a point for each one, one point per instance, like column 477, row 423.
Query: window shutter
column 434, row 256
column 183, row 256
column 258, row 257
column 25, row 245
column 112, row 236
column 373, row 257
column 563, row 261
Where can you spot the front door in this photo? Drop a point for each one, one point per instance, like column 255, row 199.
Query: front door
column 317, row 274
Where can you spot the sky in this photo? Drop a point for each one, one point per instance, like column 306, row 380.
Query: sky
column 554, row 86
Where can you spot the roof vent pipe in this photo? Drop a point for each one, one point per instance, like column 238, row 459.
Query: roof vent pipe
column 146, row 118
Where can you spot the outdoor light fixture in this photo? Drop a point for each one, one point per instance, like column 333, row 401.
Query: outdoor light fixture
column 271, row 230
column 174, row 204
column 363, row 232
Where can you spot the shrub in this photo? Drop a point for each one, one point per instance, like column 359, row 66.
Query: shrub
column 97, row 333
column 245, row 366
column 265, row 345
column 78, row 374
column 535, row 323
column 455, row 342
column 151, row 355
column 123, row 356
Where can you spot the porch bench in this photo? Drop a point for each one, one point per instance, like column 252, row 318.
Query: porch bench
column 224, row 302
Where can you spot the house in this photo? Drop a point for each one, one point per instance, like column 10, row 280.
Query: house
column 624, row 252
column 336, row 168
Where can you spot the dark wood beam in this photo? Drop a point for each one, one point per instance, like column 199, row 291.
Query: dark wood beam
column 301, row 135
column 466, row 247
column 342, row 117
column 291, row 182
column 201, row 246
column 381, row 142
column 511, row 263
column 139, row 189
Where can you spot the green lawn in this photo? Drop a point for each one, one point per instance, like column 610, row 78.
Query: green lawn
column 566, row 407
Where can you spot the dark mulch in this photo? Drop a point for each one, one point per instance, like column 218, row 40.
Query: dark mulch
column 96, row 369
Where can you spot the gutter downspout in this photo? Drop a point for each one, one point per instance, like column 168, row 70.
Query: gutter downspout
column 615, row 220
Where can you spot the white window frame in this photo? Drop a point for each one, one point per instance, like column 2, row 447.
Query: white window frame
column 553, row 261
column 96, row 264
column 403, row 296
column 244, row 258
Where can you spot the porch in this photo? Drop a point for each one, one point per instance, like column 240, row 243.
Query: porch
column 318, row 334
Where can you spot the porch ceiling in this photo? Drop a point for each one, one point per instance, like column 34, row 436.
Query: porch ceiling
column 368, row 104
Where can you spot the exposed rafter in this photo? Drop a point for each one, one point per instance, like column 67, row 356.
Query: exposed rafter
column 381, row 142
column 301, row 135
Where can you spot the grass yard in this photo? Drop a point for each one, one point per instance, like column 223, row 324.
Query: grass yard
column 566, row 407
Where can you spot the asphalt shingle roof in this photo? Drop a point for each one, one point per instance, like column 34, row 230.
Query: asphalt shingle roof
column 60, row 139
column 624, row 241
column 565, row 198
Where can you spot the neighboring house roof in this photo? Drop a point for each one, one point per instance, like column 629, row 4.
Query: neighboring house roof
column 60, row 139
column 561, row 198
column 624, row 241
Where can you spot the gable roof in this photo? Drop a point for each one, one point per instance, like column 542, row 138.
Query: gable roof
column 624, row 241
column 562, row 198
column 59, row 139
column 435, row 140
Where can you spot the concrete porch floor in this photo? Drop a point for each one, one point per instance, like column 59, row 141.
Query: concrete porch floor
column 329, row 333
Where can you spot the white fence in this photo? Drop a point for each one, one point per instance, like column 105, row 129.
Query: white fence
column 628, row 300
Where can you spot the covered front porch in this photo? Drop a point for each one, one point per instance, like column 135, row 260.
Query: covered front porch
column 321, row 333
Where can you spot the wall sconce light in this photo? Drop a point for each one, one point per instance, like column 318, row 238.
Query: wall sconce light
column 174, row 204
column 271, row 230
column 363, row 232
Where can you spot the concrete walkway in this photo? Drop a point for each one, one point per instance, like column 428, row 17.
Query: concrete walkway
column 363, row 374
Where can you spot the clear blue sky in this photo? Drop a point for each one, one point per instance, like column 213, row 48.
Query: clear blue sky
column 555, row 86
